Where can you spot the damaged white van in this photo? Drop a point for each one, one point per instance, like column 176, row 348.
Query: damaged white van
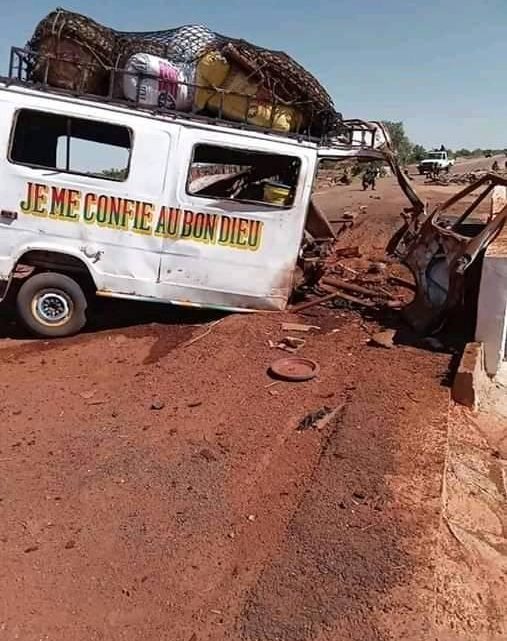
column 103, row 199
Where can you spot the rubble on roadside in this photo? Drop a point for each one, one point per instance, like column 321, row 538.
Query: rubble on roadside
column 369, row 284
column 466, row 178
column 384, row 339
column 458, row 240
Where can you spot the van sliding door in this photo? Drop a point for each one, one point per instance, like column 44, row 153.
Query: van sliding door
column 231, row 238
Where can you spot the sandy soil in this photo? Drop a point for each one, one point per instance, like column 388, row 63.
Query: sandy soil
column 471, row 578
column 214, row 515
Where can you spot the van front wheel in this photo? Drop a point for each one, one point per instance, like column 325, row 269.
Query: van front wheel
column 52, row 305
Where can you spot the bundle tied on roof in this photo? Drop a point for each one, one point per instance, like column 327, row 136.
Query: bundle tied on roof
column 79, row 53
column 75, row 52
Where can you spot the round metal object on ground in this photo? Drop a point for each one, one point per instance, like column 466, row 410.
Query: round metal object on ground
column 294, row 368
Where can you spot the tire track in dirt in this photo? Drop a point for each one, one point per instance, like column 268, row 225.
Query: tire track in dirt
column 356, row 561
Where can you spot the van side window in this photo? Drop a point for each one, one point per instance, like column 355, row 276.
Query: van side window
column 242, row 175
column 72, row 145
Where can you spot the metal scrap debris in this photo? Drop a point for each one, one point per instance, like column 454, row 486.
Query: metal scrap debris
column 338, row 288
column 294, row 369
column 319, row 419
column 298, row 327
column 332, row 296
column 440, row 251
column 319, row 263
column 357, row 289
column 291, row 344
column 311, row 419
column 347, row 252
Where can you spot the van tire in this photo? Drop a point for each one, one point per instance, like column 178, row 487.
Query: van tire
column 51, row 305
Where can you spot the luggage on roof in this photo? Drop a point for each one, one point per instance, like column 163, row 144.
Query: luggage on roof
column 186, row 68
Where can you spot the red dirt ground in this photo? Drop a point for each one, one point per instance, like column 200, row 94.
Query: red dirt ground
column 212, row 517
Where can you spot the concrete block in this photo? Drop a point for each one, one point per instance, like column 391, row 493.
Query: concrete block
column 471, row 381
column 491, row 329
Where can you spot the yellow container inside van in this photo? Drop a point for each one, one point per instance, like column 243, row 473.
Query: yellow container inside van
column 276, row 193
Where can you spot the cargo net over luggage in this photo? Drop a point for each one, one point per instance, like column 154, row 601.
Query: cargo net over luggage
column 188, row 69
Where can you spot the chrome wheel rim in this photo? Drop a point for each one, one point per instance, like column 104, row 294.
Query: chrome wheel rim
column 52, row 307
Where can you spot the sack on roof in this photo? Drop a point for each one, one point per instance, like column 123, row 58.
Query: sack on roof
column 159, row 82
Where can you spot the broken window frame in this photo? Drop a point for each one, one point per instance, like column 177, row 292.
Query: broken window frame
column 294, row 188
column 68, row 131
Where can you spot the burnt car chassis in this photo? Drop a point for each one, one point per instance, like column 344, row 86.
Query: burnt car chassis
column 443, row 253
column 440, row 252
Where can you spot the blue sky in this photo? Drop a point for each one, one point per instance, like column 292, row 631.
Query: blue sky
column 440, row 66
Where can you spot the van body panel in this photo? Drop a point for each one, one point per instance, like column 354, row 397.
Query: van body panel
column 254, row 272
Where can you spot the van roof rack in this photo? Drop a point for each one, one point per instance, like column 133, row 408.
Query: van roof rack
column 35, row 69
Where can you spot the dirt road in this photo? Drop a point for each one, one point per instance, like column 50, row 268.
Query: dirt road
column 478, row 164
column 213, row 516
column 155, row 489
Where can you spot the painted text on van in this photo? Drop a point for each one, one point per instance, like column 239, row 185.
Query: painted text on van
column 140, row 217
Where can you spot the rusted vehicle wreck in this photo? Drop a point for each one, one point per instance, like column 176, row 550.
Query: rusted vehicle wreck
column 444, row 248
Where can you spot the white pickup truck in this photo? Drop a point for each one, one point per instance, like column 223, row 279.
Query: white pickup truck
column 436, row 162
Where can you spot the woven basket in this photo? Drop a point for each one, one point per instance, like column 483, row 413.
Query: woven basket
column 76, row 52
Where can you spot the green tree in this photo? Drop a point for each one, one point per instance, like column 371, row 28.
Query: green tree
column 115, row 174
column 418, row 153
column 399, row 139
